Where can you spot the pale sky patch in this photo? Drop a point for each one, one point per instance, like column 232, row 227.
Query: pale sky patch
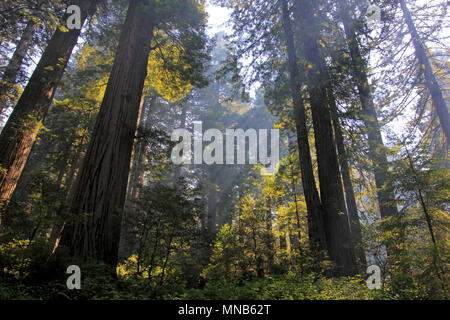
column 217, row 19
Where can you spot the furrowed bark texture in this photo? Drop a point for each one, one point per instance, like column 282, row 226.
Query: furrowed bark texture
column 314, row 207
column 19, row 133
column 15, row 63
column 355, row 226
column 128, row 242
column 377, row 149
column 99, row 196
column 337, row 229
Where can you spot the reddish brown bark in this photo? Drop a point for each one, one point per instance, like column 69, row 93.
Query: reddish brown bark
column 315, row 211
column 355, row 225
column 19, row 133
column 337, row 230
column 15, row 63
column 99, row 195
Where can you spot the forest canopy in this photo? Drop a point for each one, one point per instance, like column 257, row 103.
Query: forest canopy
column 312, row 139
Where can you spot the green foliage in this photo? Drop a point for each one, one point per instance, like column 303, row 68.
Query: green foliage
column 289, row 287
column 30, row 262
column 164, row 234
column 225, row 232
column 225, row 256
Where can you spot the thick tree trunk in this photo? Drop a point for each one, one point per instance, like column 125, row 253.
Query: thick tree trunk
column 430, row 80
column 19, row 133
column 355, row 226
column 337, row 229
column 15, row 63
column 99, row 195
column 315, row 211
column 20, row 205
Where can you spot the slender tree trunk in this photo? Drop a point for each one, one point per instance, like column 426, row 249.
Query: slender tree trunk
column 19, row 133
column 22, row 201
column 204, row 218
column 155, row 245
column 337, row 229
column 166, row 258
column 314, row 207
column 75, row 167
column 437, row 262
column 128, row 229
column 431, row 82
column 99, row 195
column 269, row 237
column 62, row 164
column 212, row 205
column 177, row 169
column 15, row 63
column 376, row 145
column 136, row 170
column 355, row 226
column 377, row 150
column 58, row 228
column 297, row 214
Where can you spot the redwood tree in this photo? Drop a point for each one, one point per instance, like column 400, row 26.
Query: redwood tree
column 337, row 229
column 14, row 64
column 99, row 196
column 19, row 133
column 314, row 206
column 377, row 150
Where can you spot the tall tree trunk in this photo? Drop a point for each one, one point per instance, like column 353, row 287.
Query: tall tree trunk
column 128, row 231
column 20, row 205
column 355, row 226
column 337, row 229
column 269, row 236
column 430, row 80
column 204, row 217
column 314, row 207
column 15, row 63
column 437, row 261
column 377, row 150
column 212, row 204
column 168, row 251
column 136, row 174
column 177, row 169
column 19, row 133
column 58, row 228
column 99, row 195
column 297, row 214
column 77, row 161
